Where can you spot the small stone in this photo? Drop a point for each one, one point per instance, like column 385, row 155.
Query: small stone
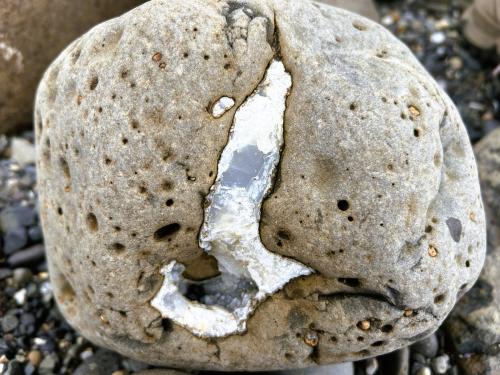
column 371, row 366
column 433, row 251
column 424, row 371
column 48, row 364
column 35, row 357
column 441, row 364
column 9, row 323
column 22, row 151
column 311, row 339
column 119, row 372
column 364, row 325
column 5, row 273
column 15, row 239
column 35, row 233
column 428, row 347
column 14, row 368
column 438, row 37
column 408, row 312
column 456, row 63
column 22, row 276
column 27, row 257
column 20, row 297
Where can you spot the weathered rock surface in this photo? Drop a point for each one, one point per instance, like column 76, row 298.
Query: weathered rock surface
column 366, row 8
column 474, row 324
column 377, row 188
column 32, row 34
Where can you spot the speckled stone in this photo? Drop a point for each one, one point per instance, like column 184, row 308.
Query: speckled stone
column 474, row 325
column 377, row 188
column 32, row 34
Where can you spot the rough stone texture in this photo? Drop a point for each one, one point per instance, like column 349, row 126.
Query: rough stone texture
column 474, row 324
column 126, row 147
column 32, row 34
column 365, row 8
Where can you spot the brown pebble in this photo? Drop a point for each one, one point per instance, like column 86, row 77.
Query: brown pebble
column 157, row 56
column 408, row 313
column 35, row 357
column 364, row 325
column 162, row 65
column 311, row 339
column 414, row 111
column 433, row 251
column 119, row 372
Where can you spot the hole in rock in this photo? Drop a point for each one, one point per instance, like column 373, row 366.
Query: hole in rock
column 166, row 231
column 92, row 223
column 353, row 283
column 343, row 205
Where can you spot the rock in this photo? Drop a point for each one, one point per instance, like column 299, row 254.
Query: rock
column 32, row 33
column 30, row 256
column 424, row 371
column 103, row 362
column 441, row 364
column 338, row 369
column 15, row 239
column 48, row 364
column 428, row 347
column 35, row 357
column 22, row 151
column 22, row 276
column 364, row 8
column 372, row 170
column 474, row 326
column 9, row 323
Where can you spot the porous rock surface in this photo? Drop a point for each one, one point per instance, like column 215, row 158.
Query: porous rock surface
column 474, row 324
column 32, row 34
column 377, row 188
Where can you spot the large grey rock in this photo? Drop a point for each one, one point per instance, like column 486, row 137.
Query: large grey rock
column 32, row 34
column 474, row 324
column 377, row 189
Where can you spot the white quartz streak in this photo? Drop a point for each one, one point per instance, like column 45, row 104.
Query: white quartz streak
column 230, row 232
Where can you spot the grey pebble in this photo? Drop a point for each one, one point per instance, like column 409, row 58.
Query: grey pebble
column 14, row 240
column 5, row 273
column 14, row 368
column 48, row 364
column 35, row 233
column 22, row 276
column 9, row 323
column 27, row 257
column 103, row 362
column 428, row 347
column 15, row 217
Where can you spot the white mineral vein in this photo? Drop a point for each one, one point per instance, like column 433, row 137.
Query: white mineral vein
column 230, row 232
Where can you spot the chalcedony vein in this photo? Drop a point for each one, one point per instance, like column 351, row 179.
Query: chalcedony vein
column 230, row 232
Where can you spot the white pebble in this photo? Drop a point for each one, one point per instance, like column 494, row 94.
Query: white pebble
column 223, row 105
column 20, row 296
column 438, row 37
column 441, row 364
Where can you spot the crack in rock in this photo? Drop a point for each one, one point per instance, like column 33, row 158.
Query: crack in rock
column 221, row 305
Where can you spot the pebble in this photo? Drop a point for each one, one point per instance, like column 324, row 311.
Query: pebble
column 9, row 323
column 27, row 257
column 371, row 366
column 428, row 347
column 5, row 273
column 14, row 368
column 441, row 364
column 35, row 233
column 438, row 37
column 35, row 357
column 22, row 276
column 456, row 63
column 48, row 364
column 22, row 151
column 20, row 297
column 14, row 240
column 424, row 371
